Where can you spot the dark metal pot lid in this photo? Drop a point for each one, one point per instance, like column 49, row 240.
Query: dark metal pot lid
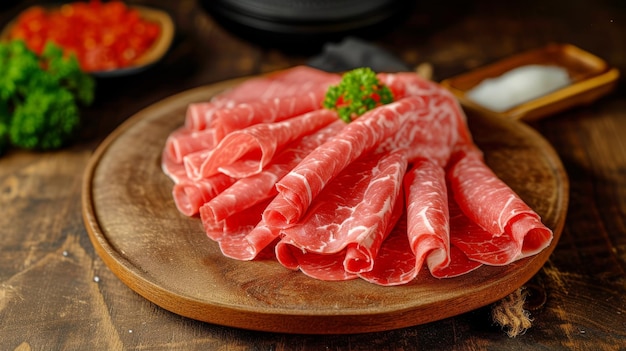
column 277, row 22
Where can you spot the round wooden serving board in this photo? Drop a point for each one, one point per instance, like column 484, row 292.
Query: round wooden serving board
column 166, row 257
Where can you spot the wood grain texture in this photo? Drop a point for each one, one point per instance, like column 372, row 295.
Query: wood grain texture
column 49, row 299
column 166, row 257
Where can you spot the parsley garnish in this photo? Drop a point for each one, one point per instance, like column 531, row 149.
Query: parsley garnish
column 358, row 92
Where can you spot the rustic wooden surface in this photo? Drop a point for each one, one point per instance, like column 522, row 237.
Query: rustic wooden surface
column 56, row 293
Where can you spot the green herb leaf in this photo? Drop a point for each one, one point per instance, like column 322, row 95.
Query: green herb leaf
column 39, row 96
column 358, row 92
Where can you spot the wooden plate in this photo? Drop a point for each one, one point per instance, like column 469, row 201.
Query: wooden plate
column 143, row 62
column 164, row 256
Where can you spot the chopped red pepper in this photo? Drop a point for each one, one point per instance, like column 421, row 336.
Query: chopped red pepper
column 103, row 36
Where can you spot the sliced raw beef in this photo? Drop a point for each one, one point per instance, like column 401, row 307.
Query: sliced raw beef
column 174, row 170
column 184, row 141
column 403, row 84
column 398, row 191
column 189, row 195
column 476, row 243
column 298, row 188
column 504, row 217
column 209, row 124
column 200, row 114
column 432, row 131
column 328, row 267
column 242, row 236
column 423, row 233
column 193, row 161
column 244, row 193
column 294, row 81
column 251, row 190
column 348, row 221
column 441, row 105
column 233, row 226
column 395, row 263
column 278, row 109
column 360, row 258
column 427, row 212
column 427, row 126
column 459, row 264
column 250, row 245
column 247, row 151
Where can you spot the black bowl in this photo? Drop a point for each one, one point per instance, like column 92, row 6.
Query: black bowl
column 305, row 23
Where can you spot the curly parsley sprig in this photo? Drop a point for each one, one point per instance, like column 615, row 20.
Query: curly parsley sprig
column 40, row 96
column 358, row 92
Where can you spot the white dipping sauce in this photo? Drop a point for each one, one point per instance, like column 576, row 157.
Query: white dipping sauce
column 518, row 85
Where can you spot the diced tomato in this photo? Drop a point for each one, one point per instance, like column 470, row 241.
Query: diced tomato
column 103, row 36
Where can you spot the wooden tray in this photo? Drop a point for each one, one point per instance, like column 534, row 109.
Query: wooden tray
column 164, row 256
column 591, row 79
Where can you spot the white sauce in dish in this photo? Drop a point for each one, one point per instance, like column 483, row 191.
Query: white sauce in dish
column 518, row 85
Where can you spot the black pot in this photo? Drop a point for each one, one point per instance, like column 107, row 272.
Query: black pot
column 305, row 23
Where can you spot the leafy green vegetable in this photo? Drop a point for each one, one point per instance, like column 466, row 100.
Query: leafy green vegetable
column 45, row 120
column 4, row 127
column 358, row 92
column 39, row 96
column 66, row 71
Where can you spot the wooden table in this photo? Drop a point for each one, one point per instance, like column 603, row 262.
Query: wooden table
column 56, row 293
